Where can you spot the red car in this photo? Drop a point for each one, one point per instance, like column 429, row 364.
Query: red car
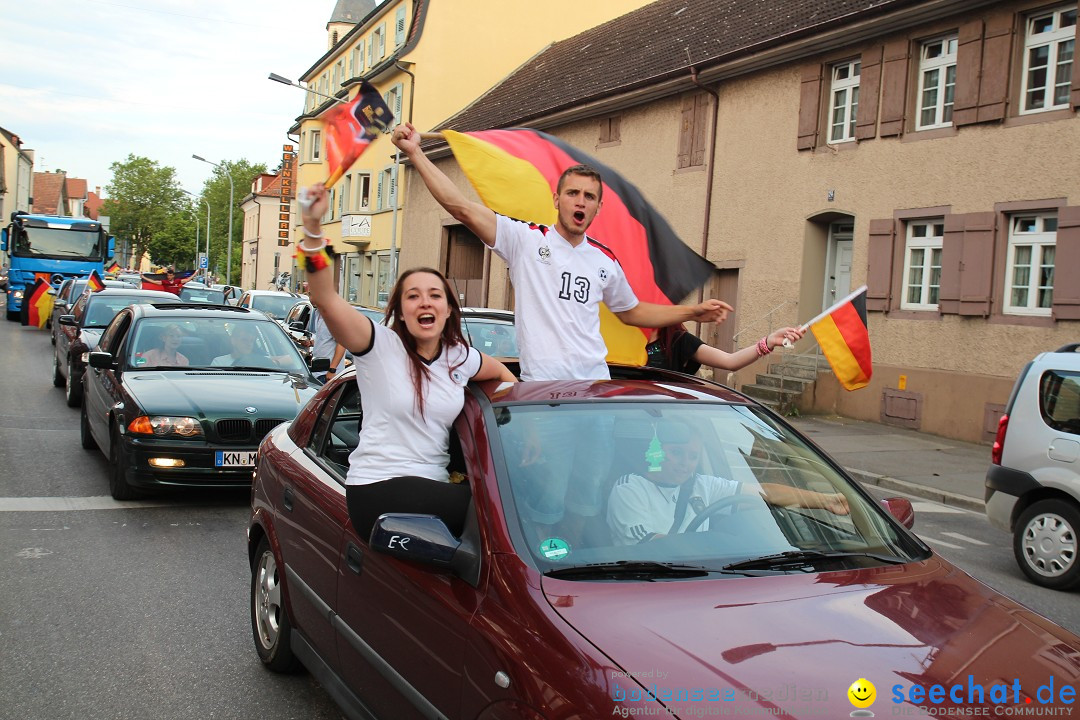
column 783, row 588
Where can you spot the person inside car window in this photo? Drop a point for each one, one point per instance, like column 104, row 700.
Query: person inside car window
column 167, row 354
column 242, row 340
column 412, row 378
column 641, row 509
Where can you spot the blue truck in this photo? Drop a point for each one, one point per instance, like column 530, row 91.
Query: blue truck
column 52, row 248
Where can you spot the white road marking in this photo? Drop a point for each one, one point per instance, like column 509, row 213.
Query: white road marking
column 965, row 538
column 931, row 507
column 935, row 541
column 61, row 504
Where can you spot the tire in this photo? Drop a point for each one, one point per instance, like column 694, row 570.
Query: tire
column 1045, row 544
column 118, row 484
column 270, row 625
column 86, row 439
column 72, row 391
column 57, row 378
column 13, row 316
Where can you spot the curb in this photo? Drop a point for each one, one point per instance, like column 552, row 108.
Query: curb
column 929, row 493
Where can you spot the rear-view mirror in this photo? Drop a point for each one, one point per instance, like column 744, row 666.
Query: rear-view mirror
column 68, row 320
column 101, row 360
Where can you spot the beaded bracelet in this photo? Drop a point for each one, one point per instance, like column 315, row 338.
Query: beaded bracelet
column 763, row 348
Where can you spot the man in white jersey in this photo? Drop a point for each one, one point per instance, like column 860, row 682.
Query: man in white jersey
column 560, row 277
column 642, row 509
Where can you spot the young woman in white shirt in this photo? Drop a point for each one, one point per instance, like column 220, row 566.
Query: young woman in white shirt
column 412, row 376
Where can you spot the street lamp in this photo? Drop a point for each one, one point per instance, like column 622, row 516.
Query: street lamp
column 204, row 202
column 228, row 259
column 292, row 83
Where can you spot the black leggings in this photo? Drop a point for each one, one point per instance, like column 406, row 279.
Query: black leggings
column 410, row 494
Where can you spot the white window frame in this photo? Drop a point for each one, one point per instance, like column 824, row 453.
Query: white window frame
column 844, row 97
column 924, row 237
column 1042, row 237
column 1060, row 39
column 378, row 44
column 943, row 69
column 363, row 191
column 329, row 214
column 315, row 146
column 393, row 100
column 346, row 194
column 386, row 188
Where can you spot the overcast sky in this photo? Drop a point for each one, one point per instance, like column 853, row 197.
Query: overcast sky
column 86, row 82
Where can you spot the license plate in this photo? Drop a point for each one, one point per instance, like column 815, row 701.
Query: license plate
column 244, row 458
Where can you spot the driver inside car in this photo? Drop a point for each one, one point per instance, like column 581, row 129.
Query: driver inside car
column 674, row 493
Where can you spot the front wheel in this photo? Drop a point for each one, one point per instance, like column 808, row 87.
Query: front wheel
column 86, row 439
column 270, row 624
column 1045, row 544
column 57, row 378
column 72, row 388
column 118, row 484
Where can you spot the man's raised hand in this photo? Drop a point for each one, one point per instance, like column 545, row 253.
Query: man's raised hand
column 712, row 311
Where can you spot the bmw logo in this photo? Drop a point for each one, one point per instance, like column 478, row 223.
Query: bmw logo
column 251, row 410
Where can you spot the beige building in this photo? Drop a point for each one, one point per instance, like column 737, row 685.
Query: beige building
column 263, row 257
column 16, row 175
column 926, row 149
column 428, row 58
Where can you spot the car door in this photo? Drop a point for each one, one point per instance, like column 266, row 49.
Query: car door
column 101, row 386
column 310, row 517
column 69, row 334
column 410, row 622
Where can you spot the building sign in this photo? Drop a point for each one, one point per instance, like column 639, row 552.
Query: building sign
column 288, row 169
column 356, row 226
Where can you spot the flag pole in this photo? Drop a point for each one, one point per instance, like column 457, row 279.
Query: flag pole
column 806, row 325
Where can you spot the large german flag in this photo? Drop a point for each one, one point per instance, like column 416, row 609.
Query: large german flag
column 37, row 304
column 842, row 334
column 515, row 173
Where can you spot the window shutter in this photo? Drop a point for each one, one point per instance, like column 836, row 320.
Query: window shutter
column 701, row 109
column 398, row 94
column 1076, row 74
column 968, row 66
column 869, row 89
column 379, row 193
column 996, row 57
column 879, row 264
column 809, row 107
column 371, row 51
column 977, row 264
column 1067, row 255
column 952, row 248
column 894, row 77
column 686, row 132
column 399, row 27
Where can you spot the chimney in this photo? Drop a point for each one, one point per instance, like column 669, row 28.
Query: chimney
column 97, row 190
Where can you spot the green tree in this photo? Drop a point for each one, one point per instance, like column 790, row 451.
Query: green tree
column 216, row 193
column 174, row 243
column 142, row 197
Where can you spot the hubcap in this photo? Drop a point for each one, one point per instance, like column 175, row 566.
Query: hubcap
column 267, row 601
column 68, row 385
column 1049, row 545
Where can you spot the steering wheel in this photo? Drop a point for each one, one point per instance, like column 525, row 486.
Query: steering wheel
column 722, row 504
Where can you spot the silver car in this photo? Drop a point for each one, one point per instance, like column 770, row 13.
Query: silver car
column 1033, row 485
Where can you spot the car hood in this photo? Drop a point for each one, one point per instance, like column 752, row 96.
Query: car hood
column 216, row 394
column 798, row 642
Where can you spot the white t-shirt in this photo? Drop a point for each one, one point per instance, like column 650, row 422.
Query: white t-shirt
column 558, row 290
column 323, row 343
column 639, row 508
column 395, row 440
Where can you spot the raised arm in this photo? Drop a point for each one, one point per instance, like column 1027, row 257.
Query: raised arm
column 652, row 315
column 350, row 328
column 475, row 216
column 787, row 496
column 717, row 358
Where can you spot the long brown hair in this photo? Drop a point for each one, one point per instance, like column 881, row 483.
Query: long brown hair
column 451, row 333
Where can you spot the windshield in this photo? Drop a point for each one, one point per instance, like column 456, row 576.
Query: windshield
column 276, row 306
column 101, row 309
column 202, row 295
column 707, row 485
column 56, row 242
column 498, row 339
column 215, row 342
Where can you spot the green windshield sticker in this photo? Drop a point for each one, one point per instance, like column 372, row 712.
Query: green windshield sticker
column 655, row 454
column 140, row 361
column 554, row 548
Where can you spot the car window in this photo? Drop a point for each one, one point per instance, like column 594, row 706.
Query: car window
column 225, row 344
column 110, row 338
column 1059, row 400
column 101, row 309
column 65, row 290
column 619, row 468
column 80, row 306
column 276, row 306
column 202, row 295
column 495, row 338
column 337, row 429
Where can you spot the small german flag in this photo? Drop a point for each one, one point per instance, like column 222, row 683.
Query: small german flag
column 37, row 304
column 114, row 267
column 842, row 334
column 94, row 282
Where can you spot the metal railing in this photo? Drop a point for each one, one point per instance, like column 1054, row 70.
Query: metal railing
column 766, row 319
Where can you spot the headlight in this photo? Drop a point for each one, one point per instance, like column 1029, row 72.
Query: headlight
column 165, row 425
column 18, row 294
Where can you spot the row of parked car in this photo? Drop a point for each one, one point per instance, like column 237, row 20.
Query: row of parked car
column 519, row 618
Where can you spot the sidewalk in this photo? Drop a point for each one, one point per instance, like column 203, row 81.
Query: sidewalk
column 928, row 466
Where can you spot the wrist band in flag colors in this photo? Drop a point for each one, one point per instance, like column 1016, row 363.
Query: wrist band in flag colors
column 320, row 260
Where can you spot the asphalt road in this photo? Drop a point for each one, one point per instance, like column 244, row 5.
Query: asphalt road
column 139, row 610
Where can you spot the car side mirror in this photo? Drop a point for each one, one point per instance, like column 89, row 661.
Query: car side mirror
column 68, row 320
column 101, row 360
column 51, row 291
column 900, row 508
column 297, row 325
column 422, row 539
column 320, row 365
